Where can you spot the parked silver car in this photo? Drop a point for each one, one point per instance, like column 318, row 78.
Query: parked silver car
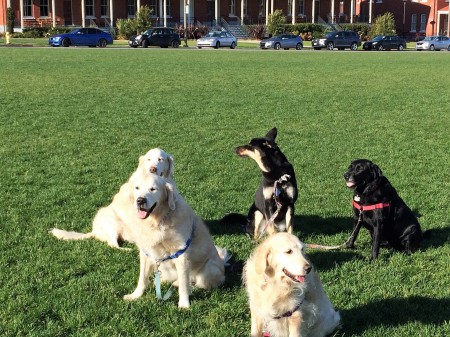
column 284, row 41
column 434, row 43
column 217, row 39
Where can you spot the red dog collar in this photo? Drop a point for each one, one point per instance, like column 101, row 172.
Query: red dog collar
column 371, row 207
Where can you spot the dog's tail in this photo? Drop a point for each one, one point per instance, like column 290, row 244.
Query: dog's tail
column 224, row 255
column 316, row 246
column 66, row 235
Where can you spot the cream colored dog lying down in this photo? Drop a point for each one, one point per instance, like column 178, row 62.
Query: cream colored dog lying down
column 107, row 225
column 169, row 235
column 285, row 294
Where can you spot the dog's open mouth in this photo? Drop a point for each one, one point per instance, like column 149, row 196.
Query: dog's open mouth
column 295, row 278
column 350, row 183
column 143, row 213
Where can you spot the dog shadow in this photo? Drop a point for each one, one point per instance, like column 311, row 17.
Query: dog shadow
column 395, row 312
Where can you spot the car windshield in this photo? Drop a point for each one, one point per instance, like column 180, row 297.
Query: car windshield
column 213, row 34
column 378, row 38
column 330, row 34
column 429, row 38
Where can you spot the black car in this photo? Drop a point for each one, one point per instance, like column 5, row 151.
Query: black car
column 386, row 42
column 159, row 36
column 339, row 40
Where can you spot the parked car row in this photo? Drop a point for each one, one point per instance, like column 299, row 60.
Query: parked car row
column 168, row 37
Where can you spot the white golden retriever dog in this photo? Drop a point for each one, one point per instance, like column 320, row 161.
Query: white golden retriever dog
column 107, row 225
column 285, row 294
column 170, row 237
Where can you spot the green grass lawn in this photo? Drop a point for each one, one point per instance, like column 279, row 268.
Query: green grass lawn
column 73, row 122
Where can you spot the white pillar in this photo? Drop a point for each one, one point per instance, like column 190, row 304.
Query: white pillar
column 111, row 12
column 313, row 11
column 165, row 13
column 332, row 11
column 267, row 12
column 83, row 14
column 160, row 12
column 242, row 12
column 271, row 6
column 370, row 11
column 21, row 15
column 138, row 4
column 216, row 11
column 448, row 21
column 352, row 10
column 294, row 11
column 53, row 14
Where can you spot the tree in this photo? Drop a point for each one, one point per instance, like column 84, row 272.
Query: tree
column 384, row 25
column 10, row 20
column 276, row 22
column 143, row 19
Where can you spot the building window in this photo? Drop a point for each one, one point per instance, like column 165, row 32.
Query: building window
column 423, row 22
column 289, row 7
column 301, row 7
column 131, row 8
column 27, row 8
column 154, row 7
column 232, row 7
column 245, row 7
column 104, row 8
column 89, row 7
column 43, row 7
column 413, row 22
column 262, row 8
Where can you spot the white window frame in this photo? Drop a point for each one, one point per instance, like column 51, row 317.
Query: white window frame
column 413, row 23
column 153, row 5
column 131, row 7
column 232, row 8
column 28, row 9
column 44, row 4
column 300, row 7
column 104, row 5
column 423, row 22
column 89, row 9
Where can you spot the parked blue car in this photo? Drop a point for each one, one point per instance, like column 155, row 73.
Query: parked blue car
column 92, row 37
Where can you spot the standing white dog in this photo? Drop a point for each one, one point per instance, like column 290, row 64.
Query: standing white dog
column 286, row 296
column 107, row 225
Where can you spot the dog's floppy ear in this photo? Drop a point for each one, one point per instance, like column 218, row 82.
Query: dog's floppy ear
column 169, row 174
column 376, row 171
column 272, row 134
column 171, row 196
column 262, row 258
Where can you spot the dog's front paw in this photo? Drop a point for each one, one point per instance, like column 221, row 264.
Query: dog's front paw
column 133, row 296
column 183, row 304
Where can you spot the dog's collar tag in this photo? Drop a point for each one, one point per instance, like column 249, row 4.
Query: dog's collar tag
column 278, row 191
column 357, row 198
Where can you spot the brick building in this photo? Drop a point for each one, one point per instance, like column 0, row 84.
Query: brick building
column 412, row 17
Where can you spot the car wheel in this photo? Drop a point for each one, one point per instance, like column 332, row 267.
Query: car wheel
column 330, row 46
column 299, row 46
column 448, row 48
column 65, row 42
column 277, row 46
column 217, row 46
column 354, row 46
column 175, row 44
column 102, row 43
column 145, row 44
column 233, row 45
column 432, row 47
column 380, row 47
column 400, row 47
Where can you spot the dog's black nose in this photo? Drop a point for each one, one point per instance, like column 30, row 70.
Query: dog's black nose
column 308, row 268
column 140, row 201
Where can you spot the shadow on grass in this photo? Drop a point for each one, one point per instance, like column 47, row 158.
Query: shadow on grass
column 395, row 312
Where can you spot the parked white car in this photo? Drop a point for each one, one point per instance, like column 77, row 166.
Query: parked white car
column 217, row 39
column 434, row 43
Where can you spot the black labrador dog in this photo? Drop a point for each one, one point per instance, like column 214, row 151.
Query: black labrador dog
column 379, row 208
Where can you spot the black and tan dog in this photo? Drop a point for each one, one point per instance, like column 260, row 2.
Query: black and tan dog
column 273, row 208
column 379, row 208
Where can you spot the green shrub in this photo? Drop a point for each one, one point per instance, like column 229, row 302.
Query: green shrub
column 143, row 19
column 10, row 20
column 361, row 28
column 125, row 28
column 276, row 22
column 383, row 25
column 257, row 32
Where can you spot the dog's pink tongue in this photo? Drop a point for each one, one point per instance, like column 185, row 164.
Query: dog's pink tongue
column 300, row 278
column 142, row 214
column 349, row 184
